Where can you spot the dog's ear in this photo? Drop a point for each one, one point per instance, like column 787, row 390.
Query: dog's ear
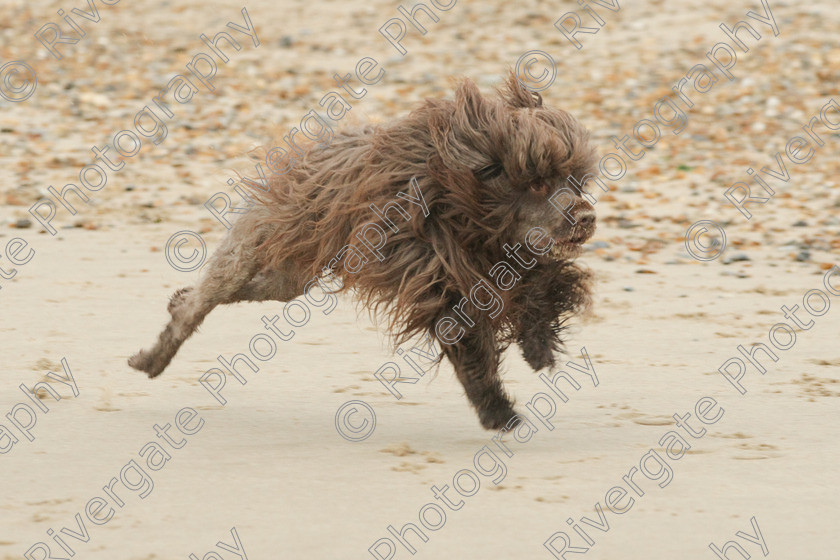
column 515, row 94
column 470, row 106
column 464, row 135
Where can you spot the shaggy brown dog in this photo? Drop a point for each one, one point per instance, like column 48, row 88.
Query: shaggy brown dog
column 485, row 168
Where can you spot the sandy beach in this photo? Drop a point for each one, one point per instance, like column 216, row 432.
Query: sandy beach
column 639, row 446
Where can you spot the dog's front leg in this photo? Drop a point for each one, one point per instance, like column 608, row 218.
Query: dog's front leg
column 545, row 298
column 476, row 358
column 536, row 321
column 538, row 335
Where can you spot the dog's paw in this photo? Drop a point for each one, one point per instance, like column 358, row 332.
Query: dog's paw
column 497, row 418
column 539, row 357
column 145, row 362
column 177, row 299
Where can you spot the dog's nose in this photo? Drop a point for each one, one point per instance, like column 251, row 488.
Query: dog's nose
column 586, row 219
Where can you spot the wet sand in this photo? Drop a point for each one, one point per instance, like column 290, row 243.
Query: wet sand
column 270, row 461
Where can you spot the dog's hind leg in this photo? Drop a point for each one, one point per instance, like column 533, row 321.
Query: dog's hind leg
column 228, row 272
column 476, row 358
column 269, row 285
column 265, row 285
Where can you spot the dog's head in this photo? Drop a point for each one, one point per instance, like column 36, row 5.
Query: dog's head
column 523, row 163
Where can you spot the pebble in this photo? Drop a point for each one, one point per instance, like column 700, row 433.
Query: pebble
column 95, row 91
column 627, row 224
column 738, row 257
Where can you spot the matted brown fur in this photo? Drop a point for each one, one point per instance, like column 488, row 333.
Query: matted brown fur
column 485, row 167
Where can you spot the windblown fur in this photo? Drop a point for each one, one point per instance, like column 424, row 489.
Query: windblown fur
column 485, row 167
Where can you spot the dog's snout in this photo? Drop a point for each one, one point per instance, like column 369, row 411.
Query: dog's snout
column 586, row 219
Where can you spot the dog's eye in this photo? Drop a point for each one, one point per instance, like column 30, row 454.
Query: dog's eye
column 489, row 172
column 539, row 188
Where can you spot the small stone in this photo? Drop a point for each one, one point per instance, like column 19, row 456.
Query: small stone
column 800, row 223
column 803, row 256
column 23, row 223
column 739, row 257
column 628, row 288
